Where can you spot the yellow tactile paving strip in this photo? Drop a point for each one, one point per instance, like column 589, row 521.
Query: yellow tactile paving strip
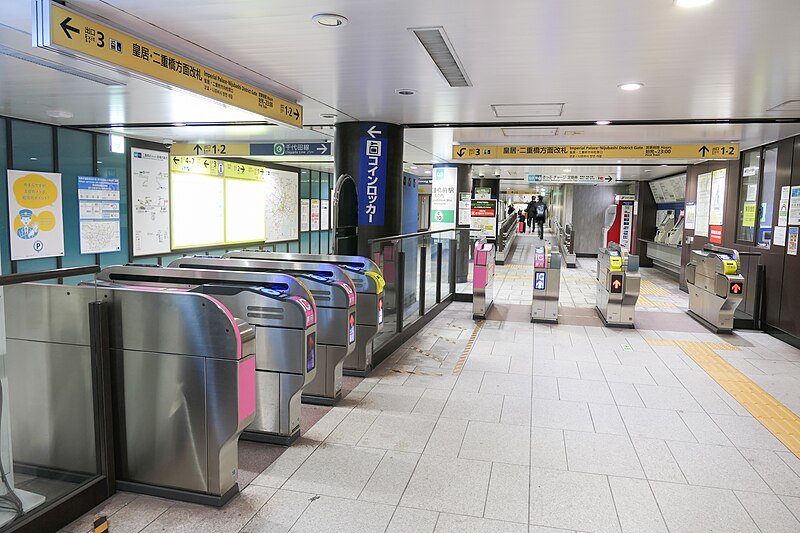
column 653, row 290
column 467, row 348
column 773, row 415
column 647, row 302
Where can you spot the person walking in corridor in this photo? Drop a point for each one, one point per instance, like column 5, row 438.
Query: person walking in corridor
column 540, row 215
column 530, row 211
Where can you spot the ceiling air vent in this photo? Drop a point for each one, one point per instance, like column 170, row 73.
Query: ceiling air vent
column 30, row 58
column 527, row 110
column 434, row 40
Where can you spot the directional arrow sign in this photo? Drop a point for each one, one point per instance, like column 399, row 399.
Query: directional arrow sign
column 67, row 28
column 373, row 132
column 598, row 151
column 63, row 30
column 616, row 283
column 569, row 178
column 311, row 149
column 736, row 287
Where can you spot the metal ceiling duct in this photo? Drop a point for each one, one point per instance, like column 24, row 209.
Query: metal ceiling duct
column 436, row 43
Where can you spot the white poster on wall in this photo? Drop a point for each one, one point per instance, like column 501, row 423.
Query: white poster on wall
column 198, row 210
column 794, row 205
column 717, row 210
column 703, row 204
column 315, row 214
column 690, row 216
column 35, row 216
column 783, row 207
column 282, row 197
column 779, row 236
column 443, row 198
column 324, row 215
column 98, row 214
column 305, row 210
column 149, row 202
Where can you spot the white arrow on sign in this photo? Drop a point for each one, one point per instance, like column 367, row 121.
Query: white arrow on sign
column 323, row 149
column 372, row 131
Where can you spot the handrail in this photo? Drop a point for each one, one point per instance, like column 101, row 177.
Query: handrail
column 56, row 273
column 418, row 234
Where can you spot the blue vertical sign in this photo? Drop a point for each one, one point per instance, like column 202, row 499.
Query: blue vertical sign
column 540, row 281
column 372, row 176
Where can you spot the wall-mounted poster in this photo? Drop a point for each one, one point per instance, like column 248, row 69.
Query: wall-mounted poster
column 98, row 214
column 703, row 204
column 315, row 209
column 305, row 211
column 35, row 216
column 783, row 207
column 794, row 205
column 716, row 211
column 691, row 215
column 791, row 246
column 324, row 215
column 443, row 198
column 150, row 221
column 282, row 197
column 779, row 236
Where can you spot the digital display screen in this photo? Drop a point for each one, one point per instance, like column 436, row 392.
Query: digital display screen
column 311, row 352
column 352, row 329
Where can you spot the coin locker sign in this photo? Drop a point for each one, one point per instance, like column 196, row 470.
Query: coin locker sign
column 62, row 29
column 599, row 151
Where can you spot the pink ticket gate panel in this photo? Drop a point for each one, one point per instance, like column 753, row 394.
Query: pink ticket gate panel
column 483, row 278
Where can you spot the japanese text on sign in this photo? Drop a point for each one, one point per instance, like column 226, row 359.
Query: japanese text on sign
column 622, row 151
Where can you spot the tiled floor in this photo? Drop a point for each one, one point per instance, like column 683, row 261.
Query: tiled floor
column 546, row 428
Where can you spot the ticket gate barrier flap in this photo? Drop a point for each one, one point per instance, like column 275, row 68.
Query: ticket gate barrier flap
column 369, row 284
column 618, row 286
column 546, row 285
column 183, row 386
column 283, row 313
column 715, row 286
column 336, row 306
column 483, row 278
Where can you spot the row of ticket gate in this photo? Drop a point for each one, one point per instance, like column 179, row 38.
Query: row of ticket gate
column 203, row 351
column 716, row 288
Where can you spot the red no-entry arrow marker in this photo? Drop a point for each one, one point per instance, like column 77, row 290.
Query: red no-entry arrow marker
column 736, row 288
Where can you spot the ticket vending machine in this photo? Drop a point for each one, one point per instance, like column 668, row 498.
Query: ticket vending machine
column 483, row 278
column 618, row 286
column 618, row 225
column 715, row 286
column 546, row 284
column 336, row 304
column 282, row 313
column 369, row 284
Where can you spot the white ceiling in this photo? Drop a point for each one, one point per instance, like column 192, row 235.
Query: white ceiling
column 731, row 59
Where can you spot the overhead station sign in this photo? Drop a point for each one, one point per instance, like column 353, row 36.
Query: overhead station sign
column 599, row 151
column 247, row 150
column 61, row 29
column 569, row 178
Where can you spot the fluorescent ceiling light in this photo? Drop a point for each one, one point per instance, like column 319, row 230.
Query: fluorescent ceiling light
column 603, row 122
column 59, row 113
column 692, row 3
column 413, row 167
column 633, row 86
column 566, row 169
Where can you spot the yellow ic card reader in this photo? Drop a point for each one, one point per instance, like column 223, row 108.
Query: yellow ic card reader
column 379, row 281
column 615, row 264
column 730, row 267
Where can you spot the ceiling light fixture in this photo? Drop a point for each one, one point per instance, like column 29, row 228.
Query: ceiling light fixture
column 566, row 169
column 58, row 113
column 413, row 167
column 405, row 92
column 329, row 20
column 692, row 3
column 179, row 124
column 633, row 86
column 603, row 122
column 328, row 116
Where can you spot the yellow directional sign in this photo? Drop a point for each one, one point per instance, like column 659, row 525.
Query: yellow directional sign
column 215, row 167
column 599, row 151
column 228, row 150
column 60, row 28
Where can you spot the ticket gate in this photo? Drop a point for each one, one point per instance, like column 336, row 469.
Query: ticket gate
column 546, row 284
column 618, row 286
column 715, row 286
column 335, row 297
column 281, row 310
column 369, row 283
column 183, row 386
column 483, row 278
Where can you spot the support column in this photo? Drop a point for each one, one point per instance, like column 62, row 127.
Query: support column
column 464, row 185
column 372, row 154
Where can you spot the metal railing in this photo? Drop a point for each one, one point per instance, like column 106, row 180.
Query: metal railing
column 566, row 243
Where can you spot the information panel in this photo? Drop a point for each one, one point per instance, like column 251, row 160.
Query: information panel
column 150, row 202
column 198, row 210
column 282, row 201
column 443, row 198
column 98, row 213
column 245, row 210
column 35, row 216
column 717, row 210
column 703, row 204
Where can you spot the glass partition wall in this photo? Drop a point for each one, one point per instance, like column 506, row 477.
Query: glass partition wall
column 53, row 425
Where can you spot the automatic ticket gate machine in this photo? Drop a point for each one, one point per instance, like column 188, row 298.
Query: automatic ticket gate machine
column 369, row 283
column 183, row 386
column 281, row 311
column 618, row 285
column 546, row 284
column 335, row 297
column 483, row 277
column 715, row 286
